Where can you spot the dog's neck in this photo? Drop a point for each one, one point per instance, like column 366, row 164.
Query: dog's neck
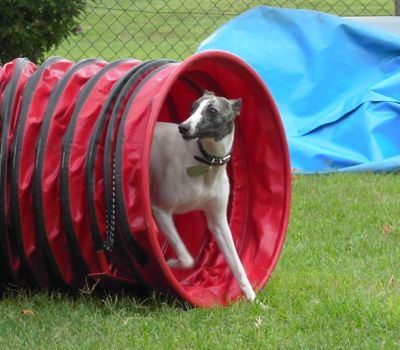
column 219, row 148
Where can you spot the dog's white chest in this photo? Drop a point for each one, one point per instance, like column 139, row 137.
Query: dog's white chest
column 171, row 187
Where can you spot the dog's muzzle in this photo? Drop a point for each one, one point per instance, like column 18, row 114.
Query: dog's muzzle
column 185, row 132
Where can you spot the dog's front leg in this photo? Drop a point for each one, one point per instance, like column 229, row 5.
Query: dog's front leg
column 166, row 225
column 218, row 225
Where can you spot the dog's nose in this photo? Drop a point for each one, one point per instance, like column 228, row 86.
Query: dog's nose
column 183, row 129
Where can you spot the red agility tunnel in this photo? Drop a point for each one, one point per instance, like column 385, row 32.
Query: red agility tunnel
column 14, row 77
column 75, row 151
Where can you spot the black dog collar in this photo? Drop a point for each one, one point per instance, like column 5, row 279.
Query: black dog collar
column 211, row 160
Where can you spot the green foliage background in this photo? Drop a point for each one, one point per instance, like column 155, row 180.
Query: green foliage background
column 30, row 28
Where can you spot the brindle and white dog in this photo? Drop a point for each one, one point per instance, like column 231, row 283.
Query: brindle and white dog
column 188, row 172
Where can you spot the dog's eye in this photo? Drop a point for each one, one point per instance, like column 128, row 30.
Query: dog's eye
column 212, row 111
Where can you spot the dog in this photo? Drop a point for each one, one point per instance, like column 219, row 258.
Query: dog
column 188, row 172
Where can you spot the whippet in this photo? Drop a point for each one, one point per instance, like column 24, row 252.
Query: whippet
column 188, row 172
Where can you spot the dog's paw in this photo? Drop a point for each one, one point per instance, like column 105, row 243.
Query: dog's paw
column 249, row 294
column 181, row 263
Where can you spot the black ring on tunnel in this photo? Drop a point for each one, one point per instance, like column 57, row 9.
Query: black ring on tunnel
column 100, row 127
column 107, row 120
column 15, row 215
column 37, row 188
column 112, row 129
column 76, row 252
column 8, row 104
column 144, row 73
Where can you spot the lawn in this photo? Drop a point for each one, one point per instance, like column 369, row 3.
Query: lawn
column 173, row 29
column 336, row 286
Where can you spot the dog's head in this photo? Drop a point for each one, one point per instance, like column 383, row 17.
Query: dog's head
column 211, row 117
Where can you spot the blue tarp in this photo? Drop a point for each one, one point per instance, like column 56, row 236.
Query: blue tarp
column 336, row 83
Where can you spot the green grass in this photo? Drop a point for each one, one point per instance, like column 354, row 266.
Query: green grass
column 174, row 29
column 336, row 286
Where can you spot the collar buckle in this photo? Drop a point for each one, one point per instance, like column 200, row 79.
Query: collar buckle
column 211, row 160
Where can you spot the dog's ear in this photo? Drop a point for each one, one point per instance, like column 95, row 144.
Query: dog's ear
column 236, row 106
column 208, row 93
